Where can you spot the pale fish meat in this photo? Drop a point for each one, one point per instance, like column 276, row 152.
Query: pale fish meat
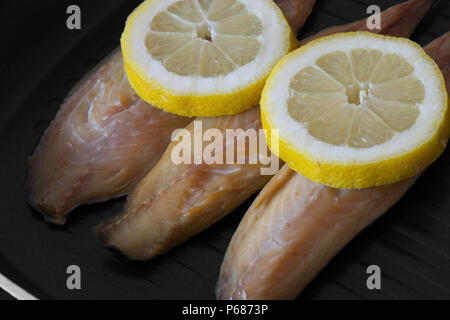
column 103, row 140
column 296, row 226
column 139, row 242
column 174, row 202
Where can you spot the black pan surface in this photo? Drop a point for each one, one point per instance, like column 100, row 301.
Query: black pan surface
column 41, row 60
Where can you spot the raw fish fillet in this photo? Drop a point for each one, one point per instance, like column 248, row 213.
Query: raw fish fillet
column 296, row 226
column 138, row 240
column 103, row 140
column 174, row 202
column 296, row 11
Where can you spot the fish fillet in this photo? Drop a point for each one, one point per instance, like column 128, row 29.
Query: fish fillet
column 103, row 140
column 140, row 242
column 174, row 202
column 170, row 204
column 296, row 226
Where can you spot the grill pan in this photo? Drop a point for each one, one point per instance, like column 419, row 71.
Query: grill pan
column 40, row 62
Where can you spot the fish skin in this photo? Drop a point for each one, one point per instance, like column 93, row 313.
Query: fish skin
column 439, row 50
column 291, row 9
column 296, row 226
column 164, row 196
column 103, row 140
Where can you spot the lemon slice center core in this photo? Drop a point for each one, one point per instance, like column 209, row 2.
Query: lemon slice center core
column 204, row 31
column 357, row 93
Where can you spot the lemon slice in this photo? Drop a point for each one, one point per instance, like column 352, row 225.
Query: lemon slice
column 204, row 57
column 356, row 110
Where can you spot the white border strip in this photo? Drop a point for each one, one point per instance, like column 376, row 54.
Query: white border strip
column 14, row 290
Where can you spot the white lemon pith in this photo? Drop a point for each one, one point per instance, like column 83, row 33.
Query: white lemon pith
column 203, row 57
column 356, row 110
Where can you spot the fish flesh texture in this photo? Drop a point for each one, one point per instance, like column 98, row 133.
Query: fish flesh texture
column 292, row 229
column 125, row 235
column 170, row 205
column 174, row 202
column 296, row 226
column 103, row 140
